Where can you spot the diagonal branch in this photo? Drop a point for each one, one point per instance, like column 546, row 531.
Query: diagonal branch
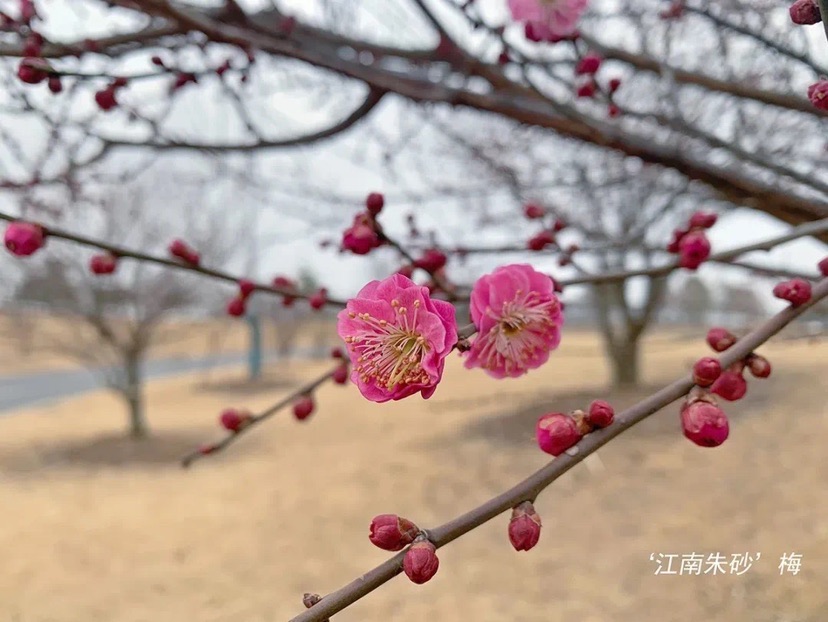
column 533, row 485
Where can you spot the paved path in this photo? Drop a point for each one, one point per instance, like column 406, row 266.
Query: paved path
column 35, row 388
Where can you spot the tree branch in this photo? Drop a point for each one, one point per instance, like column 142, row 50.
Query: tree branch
column 533, row 485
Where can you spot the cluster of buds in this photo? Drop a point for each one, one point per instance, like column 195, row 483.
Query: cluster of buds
column 730, row 383
column 545, row 237
column 184, row 252
column 702, row 421
column 796, row 291
column 340, row 374
column 24, row 238
column 805, row 12
column 393, row 533
column 103, row 263
column 557, row 432
column 234, row 420
column 363, row 235
column 691, row 242
column 238, row 305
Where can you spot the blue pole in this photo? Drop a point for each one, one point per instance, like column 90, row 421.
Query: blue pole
column 254, row 358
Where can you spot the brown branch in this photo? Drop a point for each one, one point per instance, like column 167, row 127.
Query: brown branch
column 781, row 100
column 119, row 251
column 812, row 228
column 369, row 103
column 258, row 418
column 533, row 485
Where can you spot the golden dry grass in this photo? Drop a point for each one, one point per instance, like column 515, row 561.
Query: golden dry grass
column 28, row 342
column 92, row 532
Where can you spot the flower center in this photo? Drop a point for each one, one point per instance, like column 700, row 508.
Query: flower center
column 524, row 327
column 390, row 354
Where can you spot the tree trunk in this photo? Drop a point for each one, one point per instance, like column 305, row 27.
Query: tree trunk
column 624, row 358
column 134, row 397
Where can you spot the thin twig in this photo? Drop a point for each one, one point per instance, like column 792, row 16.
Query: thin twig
column 258, row 418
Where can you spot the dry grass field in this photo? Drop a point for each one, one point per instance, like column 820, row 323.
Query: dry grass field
column 28, row 342
column 95, row 529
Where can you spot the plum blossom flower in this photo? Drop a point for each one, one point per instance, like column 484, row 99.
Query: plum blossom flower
column 548, row 19
column 518, row 320
column 397, row 338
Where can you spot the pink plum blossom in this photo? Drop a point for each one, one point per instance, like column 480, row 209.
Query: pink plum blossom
column 397, row 338
column 518, row 320
column 548, row 19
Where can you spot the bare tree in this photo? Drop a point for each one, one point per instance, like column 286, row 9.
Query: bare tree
column 109, row 322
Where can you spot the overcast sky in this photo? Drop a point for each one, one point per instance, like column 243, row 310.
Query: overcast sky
column 289, row 238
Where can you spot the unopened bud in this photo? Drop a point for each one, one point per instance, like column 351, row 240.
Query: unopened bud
column 706, row 371
column 420, row 563
column 556, row 432
column 524, row 527
column 391, row 532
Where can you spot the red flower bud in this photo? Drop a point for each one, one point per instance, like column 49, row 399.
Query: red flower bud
column 556, row 432
column 283, row 283
column 374, row 203
column 703, row 220
column 33, row 70
column 337, row 353
column 318, row 300
column 795, row 291
column 234, row 420
column 704, row 423
column 406, row 271
column 106, row 99
column 601, row 414
column 420, row 563
column 236, row 307
column 818, row 94
column 730, row 385
column 720, row 339
column 246, row 287
column 24, row 238
column 432, row 260
column 104, row 263
column 823, row 267
column 361, row 237
column 759, row 366
column 614, row 85
column 613, row 111
column 391, row 532
column 55, row 85
column 589, row 64
column 706, row 371
column 533, row 211
column 693, row 249
column 805, row 12
column 180, row 249
column 340, row 374
column 587, row 89
column 303, row 407
column 524, row 527
column 540, row 241
column 558, row 225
